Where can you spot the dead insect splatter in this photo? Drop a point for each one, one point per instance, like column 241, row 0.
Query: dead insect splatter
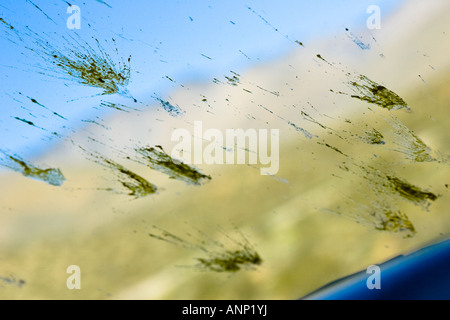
column 233, row 79
column 410, row 144
column 41, row 105
column 30, row 123
column 42, row 11
column 6, row 24
column 78, row 61
column 411, row 192
column 230, row 261
column 51, row 176
column 293, row 125
column 12, row 280
column 157, row 159
column 103, row 2
column 386, row 184
column 332, row 148
column 373, row 137
column 136, row 185
column 379, row 215
column 396, row 222
column 356, row 40
column 174, row 111
column 219, row 258
column 321, row 58
column 117, row 106
column 375, row 93
column 92, row 67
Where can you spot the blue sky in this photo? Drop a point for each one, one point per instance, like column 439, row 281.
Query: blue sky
column 164, row 38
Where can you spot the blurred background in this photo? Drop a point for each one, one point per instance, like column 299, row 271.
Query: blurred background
column 294, row 66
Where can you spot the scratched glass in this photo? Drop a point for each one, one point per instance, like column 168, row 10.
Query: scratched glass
column 217, row 150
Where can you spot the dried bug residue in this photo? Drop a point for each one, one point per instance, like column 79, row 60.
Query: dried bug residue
column 357, row 41
column 375, row 93
column 42, row 11
column 332, row 148
column 78, row 61
column 396, row 222
column 230, row 261
column 287, row 37
column 410, row 144
column 275, row 93
column 157, row 159
column 41, row 105
column 6, row 23
column 30, row 123
column 381, row 215
column 418, row 151
column 117, row 106
column 205, row 56
column 373, row 137
column 36, row 103
column 233, row 79
column 387, row 185
column 174, row 111
column 411, row 192
column 322, row 58
column 51, row 176
column 10, row 29
column 103, row 2
column 293, row 125
column 12, row 280
column 136, row 185
column 219, row 258
column 311, row 119
column 92, row 67
column 383, row 192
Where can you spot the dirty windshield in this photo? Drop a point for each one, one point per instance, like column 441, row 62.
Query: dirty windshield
column 217, row 149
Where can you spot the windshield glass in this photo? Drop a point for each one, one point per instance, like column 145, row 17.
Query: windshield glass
column 217, row 150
